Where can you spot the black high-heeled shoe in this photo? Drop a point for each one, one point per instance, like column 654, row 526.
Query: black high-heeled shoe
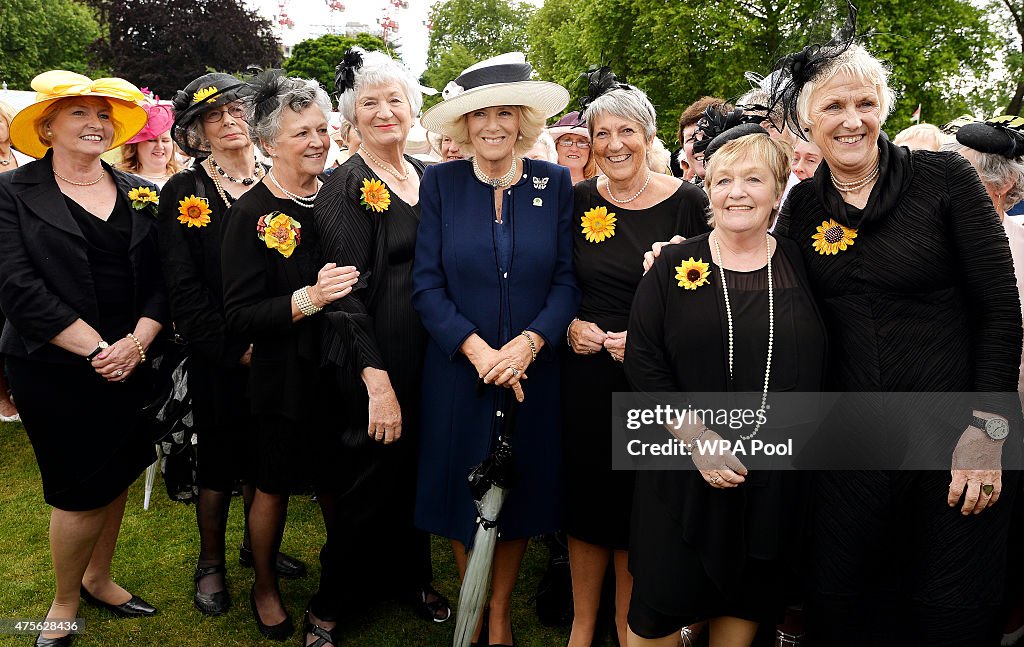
column 286, row 566
column 63, row 641
column 136, row 607
column 211, row 604
column 279, row 632
column 323, row 636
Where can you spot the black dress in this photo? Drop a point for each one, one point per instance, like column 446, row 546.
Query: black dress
column 598, row 499
column 89, row 448
column 190, row 257
column 924, row 300
column 376, row 327
column 291, row 399
column 698, row 552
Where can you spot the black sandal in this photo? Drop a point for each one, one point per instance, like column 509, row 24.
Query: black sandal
column 428, row 609
column 211, row 604
column 323, row 636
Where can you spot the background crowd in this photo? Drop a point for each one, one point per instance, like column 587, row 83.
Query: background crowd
column 372, row 317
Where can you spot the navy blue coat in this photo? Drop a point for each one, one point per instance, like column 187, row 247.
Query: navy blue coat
column 458, row 290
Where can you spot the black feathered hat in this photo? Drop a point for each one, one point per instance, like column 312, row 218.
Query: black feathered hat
column 716, row 122
column 1002, row 135
column 208, row 91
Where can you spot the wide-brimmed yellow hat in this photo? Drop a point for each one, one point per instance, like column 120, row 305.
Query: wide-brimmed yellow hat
column 125, row 103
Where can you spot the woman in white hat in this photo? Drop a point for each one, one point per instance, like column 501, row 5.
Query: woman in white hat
column 493, row 284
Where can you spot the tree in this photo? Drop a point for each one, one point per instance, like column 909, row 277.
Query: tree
column 678, row 52
column 1015, row 59
column 316, row 58
column 40, row 35
column 164, row 44
column 467, row 31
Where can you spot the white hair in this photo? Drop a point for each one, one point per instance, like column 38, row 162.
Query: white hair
column 380, row 69
column 857, row 63
column 631, row 104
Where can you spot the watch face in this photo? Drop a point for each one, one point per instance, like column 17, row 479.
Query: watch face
column 997, row 428
column 104, row 345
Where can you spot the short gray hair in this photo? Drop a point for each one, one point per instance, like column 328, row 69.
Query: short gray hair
column 996, row 170
column 627, row 103
column 380, row 69
column 858, row 63
column 295, row 94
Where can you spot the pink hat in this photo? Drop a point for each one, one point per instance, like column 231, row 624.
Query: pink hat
column 570, row 124
column 161, row 118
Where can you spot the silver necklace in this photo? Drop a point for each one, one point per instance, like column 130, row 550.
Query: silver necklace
column 608, row 185
column 848, row 187
column 302, row 201
column 387, row 167
column 96, row 181
column 771, row 323
column 496, row 182
column 7, row 161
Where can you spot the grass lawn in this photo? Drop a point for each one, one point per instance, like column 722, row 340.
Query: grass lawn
column 156, row 557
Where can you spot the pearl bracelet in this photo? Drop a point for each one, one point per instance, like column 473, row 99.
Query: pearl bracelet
column 305, row 304
column 533, row 345
column 138, row 345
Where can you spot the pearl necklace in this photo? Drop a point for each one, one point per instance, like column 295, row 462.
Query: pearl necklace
column 246, row 181
column 7, row 161
column 849, row 187
column 228, row 200
column 302, row 201
column 608, row 186
column 387, row 167
column 771, row 324
column 496, row 182
column 96, row 181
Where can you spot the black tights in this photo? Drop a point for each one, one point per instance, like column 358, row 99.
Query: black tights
column 212, row 517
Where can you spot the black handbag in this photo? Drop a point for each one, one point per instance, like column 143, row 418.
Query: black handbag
column 166, row 413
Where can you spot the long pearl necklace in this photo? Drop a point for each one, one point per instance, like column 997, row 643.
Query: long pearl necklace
column 849, row 187
column 228, row 200
column 608, row 186
column 387, row 167
column 302, row 201
column 495, row 182
column 771, row 324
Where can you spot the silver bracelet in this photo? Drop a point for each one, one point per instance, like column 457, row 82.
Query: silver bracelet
column 533, row 346
column 568, row 342
column 305, row 304
column 696, row 438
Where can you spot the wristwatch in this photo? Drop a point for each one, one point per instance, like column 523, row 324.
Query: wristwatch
column 996, row 428
column 100, row 347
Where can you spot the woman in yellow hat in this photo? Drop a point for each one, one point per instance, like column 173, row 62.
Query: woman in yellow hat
column 84, row 299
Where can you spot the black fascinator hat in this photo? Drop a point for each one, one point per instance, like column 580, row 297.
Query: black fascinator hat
column 718, row 126
column 795, row 70
column 1002, row 136
column 208, row 91
column 345, row 72
column 600, row 81
column 265, row 90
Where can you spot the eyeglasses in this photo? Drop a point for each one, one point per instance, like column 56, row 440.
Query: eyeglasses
column 581, row 144
column 213, row 116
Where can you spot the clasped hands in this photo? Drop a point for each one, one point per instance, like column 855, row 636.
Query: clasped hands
column 585, row 338
column 505, row 366
column 116, row 363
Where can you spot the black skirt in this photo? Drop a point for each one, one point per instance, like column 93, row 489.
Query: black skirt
column 84, row 431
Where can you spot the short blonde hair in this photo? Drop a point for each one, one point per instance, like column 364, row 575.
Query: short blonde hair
column 46, row 117
column 773, row 153
column 927, row 134
column 855, row 62
column 7, row 113
column 531, row 125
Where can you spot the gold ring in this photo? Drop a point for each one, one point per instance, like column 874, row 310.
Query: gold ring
column 988, row 488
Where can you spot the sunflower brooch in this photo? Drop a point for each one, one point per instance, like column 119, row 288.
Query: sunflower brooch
column 143, row 197
column 692, row 274
column 374, row 196
column 833, row 237
column 194, row 212
column 598, row 225
column 279, row 231
column 203, row 94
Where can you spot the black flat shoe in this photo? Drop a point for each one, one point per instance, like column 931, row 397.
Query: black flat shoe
column 279, row 632
column 323, row 636
column 428, row 604
column 287, row 566
column 211, row 604
column 136, row 607
column 63, row 641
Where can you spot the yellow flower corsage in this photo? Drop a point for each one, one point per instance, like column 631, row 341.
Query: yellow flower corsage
column 692, row 274
column 833, row 237
column 194, row 212
column 374, row 195
column 202, row 94
column 279, row 231
column 142, row 197
column 598, row 224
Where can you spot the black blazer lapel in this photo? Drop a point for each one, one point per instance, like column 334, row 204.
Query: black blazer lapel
column 142, row 220
column 44, row 199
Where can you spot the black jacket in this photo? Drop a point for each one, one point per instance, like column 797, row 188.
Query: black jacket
column 46, row 283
